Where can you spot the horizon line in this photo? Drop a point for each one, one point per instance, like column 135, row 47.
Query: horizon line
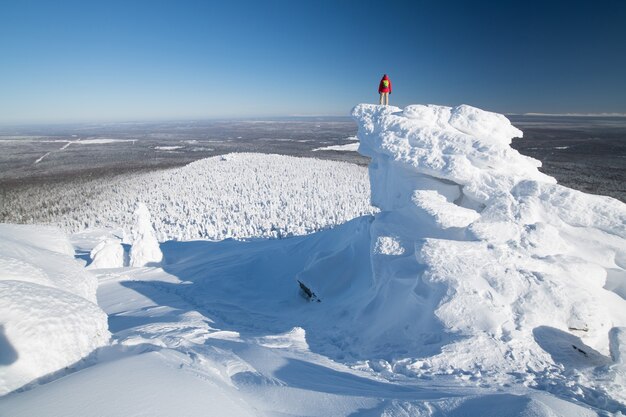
column 6, row 124
column 9, row 124
column 569, row 114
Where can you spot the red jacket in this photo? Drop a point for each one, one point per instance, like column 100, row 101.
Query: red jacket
column 382, row 88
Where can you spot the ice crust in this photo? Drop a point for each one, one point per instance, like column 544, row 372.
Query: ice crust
column 49, row 318
column 501, row 263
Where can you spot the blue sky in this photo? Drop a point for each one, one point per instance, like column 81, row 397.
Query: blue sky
column 141, row 60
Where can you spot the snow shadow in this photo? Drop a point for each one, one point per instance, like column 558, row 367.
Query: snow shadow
column 494, row 405
column 283, row 370
column 121, row 322
column 8, row 354
column 99, row 355
column 248, row 287
column 322, row 379
column 168, row 306
column 498, row 405
column 83, row 255
column 567, row 349
column 251, row 287
column 571, row 352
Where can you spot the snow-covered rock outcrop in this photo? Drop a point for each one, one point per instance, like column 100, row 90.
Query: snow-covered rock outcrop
column 486, row 264
column 49, row 318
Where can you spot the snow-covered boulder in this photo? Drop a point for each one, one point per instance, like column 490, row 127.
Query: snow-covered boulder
column 107, row 254
column 499, row 266
column 49, row 318
column 145, row 247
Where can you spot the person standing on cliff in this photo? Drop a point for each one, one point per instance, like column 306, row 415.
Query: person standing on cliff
column 384, row 88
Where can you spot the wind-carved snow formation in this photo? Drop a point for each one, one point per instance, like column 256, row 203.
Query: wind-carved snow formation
column 500, row 268
column 49, row 318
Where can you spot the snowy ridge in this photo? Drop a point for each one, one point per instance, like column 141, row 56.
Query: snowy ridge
column 503, row 270
column 48, row 313
column 230, row 196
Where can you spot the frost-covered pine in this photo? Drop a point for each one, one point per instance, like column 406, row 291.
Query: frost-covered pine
column 145, row 247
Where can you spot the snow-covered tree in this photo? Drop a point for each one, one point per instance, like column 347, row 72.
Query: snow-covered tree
column 145, row 249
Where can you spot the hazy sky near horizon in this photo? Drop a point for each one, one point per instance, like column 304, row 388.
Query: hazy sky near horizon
column 140, row 60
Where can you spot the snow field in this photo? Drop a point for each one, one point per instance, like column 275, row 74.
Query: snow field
column 231, row 196
column 215, row 334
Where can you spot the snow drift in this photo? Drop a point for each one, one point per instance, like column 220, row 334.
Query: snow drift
column 494, row 267
column 49, row 318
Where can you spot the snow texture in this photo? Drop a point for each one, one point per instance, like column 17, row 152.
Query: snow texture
column 48, row 316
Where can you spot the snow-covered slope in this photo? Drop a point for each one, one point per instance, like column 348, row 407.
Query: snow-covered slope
column 231, row 196
column 223, row 330
column 481, row 287
column 48, row 313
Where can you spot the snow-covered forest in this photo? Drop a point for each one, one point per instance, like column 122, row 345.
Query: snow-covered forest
column 231, row 196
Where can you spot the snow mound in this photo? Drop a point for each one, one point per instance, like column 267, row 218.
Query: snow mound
column 48, row 313
column 502, row 268
column 109, row 253
column 43, row 255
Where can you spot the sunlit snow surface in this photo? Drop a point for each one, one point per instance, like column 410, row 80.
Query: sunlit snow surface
column 48, row 314
column 481, row 288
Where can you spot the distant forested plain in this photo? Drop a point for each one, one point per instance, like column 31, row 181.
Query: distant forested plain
column 47, row 172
